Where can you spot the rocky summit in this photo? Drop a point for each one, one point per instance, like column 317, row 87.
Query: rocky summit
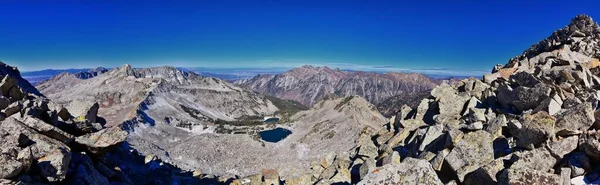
column 534, row 120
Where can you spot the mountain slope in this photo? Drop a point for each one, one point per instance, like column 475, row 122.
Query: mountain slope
column 124, row 91
column 308, row 84
column 324, row 129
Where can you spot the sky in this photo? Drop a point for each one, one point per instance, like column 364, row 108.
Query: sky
column 463, row 36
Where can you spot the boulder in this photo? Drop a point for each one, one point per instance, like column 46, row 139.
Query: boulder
column 530, row 177
column 10, row 88
column 52, row 156
column 438, row 160
column 11, row 165
column 410, row 171
column 45, row 128
column 366, row 168
column 530, row 98
column 474, row 150
column 393, row 158
column 563, row 146
column 538, row 159
column 83, row 110
column 13, row 108
column 565, row 174
column 4, row 102
column 533, row 129
column 552, row 105
column 270, row 176
column 299, row 180
column 433, row 133
column 591, row 147
column 99, row 142
column 449, row 101
column 54, row 165
column 495, row 125
column 64, row 114
column 577, row 118
column 486, row 174
column 366, row 147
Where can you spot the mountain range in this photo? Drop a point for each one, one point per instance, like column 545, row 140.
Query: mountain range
column 533, row 120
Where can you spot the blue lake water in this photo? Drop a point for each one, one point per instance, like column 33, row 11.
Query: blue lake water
column 274, row 135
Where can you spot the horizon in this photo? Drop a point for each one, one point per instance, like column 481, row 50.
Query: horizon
column 465, row 38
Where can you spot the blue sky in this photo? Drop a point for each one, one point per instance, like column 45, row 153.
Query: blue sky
column 464, row 36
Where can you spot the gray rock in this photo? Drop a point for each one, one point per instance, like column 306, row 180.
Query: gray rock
column 495, row 125
column 552, row 105
column 591, row 147
column 472, row 126
column 410, row 171
column 563, row 147
column 475, row 115
column 13, row 108
column 577, row 118
column 52, row 156
column 83, row 110
column 565, row 174
column 366, row 168
column 474, row 150
column 366, row 147
column 532, row 177
column 530, row 98
column 486, row 174
column 532, row 130
column 433, row 133
column 10, row 88
column 393, row 158
column 538, row 159
column 4, row 102
column 46, row 129
column 98, row 142
column 438, row 161
column 472, row 103
column 449, row 101
column 11, row 166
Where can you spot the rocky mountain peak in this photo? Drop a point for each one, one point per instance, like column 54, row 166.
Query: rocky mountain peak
column 124, row 70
